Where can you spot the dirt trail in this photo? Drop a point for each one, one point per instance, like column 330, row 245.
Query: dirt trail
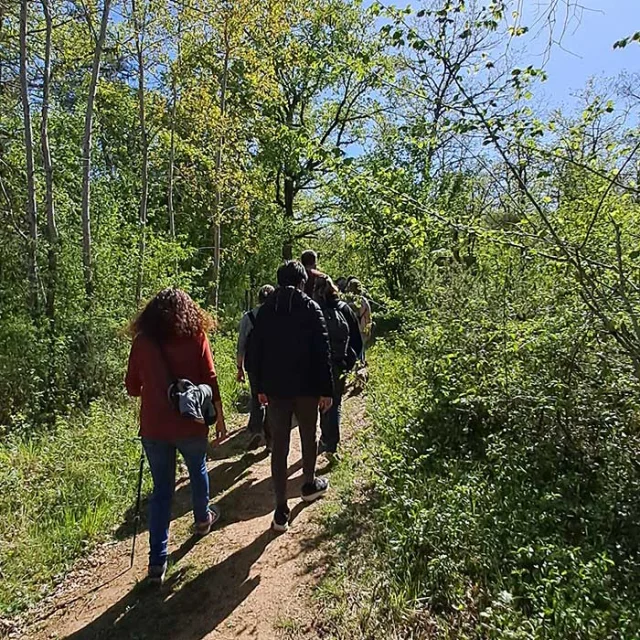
column 241, row 581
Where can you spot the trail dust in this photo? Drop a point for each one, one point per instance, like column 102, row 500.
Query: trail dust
column 240, row 581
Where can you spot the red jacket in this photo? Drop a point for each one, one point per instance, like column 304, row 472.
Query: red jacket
column 188, row 358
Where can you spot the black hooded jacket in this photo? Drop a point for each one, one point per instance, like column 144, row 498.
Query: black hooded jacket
column 290, row 347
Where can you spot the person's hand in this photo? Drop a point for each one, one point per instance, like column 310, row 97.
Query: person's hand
column 221, row 428
column 240, row 376
column 263, row 400
column 325, row 403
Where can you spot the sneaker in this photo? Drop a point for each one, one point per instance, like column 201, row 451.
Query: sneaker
column 313, row 490
column 281, row 519
column 203, row 528
column 156, row 573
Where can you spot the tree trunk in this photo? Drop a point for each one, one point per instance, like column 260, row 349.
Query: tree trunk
column 86, row 153
column 144, row 195
column 215, row 217
column 289, row 196
column 52, row 231
column 31, row 207
column 172, row 157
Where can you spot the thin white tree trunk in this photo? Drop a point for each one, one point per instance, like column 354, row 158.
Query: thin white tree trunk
column 216, row 214
column 144, row 195
column 31, row 206
column 86, row 153
column 172, row 156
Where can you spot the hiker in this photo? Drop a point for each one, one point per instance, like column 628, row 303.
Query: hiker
column 309, row 260
column 362, row 309
column 346, row 344
column 170, row 344
column 257, row 419
column 291, row 356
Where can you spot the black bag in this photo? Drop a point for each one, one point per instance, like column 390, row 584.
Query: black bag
column 247, row 350
column 192, row 401
column 342, row 355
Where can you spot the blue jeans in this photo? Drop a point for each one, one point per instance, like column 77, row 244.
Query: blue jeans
column 162, row 461
column 330, row 421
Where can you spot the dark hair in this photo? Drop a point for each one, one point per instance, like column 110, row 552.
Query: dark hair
column 171, row 313
column 324, row 291
column 292, row 274
column 309, row 258
column 265, row 291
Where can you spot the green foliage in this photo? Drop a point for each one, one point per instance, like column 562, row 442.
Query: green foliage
column 504, row 446
column 61, row 491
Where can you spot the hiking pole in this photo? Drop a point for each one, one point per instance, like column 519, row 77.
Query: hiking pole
column 136, row 518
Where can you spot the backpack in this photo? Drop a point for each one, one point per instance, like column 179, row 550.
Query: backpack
column 247, row 349
column 342, row 355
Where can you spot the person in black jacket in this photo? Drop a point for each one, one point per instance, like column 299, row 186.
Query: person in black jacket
column 292, row 365
column 346, row 344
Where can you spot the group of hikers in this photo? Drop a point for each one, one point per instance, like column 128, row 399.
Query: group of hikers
column 296, row 348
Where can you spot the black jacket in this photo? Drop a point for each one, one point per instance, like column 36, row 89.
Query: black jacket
column 290, row 347
column 355, row 337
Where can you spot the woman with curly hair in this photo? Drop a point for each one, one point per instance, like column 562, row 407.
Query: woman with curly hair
column 169, row 343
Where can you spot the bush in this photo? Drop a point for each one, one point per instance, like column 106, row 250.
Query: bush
column 503, row 500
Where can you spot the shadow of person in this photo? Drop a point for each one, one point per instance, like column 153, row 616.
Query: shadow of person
column 253, row 499
column 221, row 478
column 187, row 612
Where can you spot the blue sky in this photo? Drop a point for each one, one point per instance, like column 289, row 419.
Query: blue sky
column 586, row 48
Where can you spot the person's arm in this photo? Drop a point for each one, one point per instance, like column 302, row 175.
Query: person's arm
column 133, row 380
column 210, row 377
column 257, row 349
column 243, row 334
column 321, row 353
column 355, row 337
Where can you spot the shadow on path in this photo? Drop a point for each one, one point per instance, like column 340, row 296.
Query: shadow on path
column 187, row 612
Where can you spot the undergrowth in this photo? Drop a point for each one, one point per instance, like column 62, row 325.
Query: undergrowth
column 485, row 513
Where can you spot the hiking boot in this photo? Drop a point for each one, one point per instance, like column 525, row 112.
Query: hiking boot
column 281, row 519
column 313, row 490
column 156, row 573
column 203, row 528
column 322, row 448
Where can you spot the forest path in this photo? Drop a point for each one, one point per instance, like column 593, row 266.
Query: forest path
column 240, row 581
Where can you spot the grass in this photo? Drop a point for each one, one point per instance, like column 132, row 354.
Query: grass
column 60, row 493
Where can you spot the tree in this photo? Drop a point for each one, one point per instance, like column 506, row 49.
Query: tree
column 326, row 64
column 31, row 206
column 86, row 151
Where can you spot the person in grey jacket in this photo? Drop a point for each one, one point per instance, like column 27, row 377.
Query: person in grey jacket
column 257, row 426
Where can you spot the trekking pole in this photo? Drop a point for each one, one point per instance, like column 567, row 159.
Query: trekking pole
column 136, row 518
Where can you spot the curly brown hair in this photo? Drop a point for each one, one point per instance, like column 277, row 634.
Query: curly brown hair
column 171, row 313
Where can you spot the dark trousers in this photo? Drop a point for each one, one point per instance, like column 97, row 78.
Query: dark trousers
column 330, row 421
column 280, row 412
column 258, row 422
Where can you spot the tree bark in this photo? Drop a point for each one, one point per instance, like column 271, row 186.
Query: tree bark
column 216, row 226
column 52, row 230
column 31, row 206
column 86, row 153
column 172, row 159
column 289, row 197
column 144, row 195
